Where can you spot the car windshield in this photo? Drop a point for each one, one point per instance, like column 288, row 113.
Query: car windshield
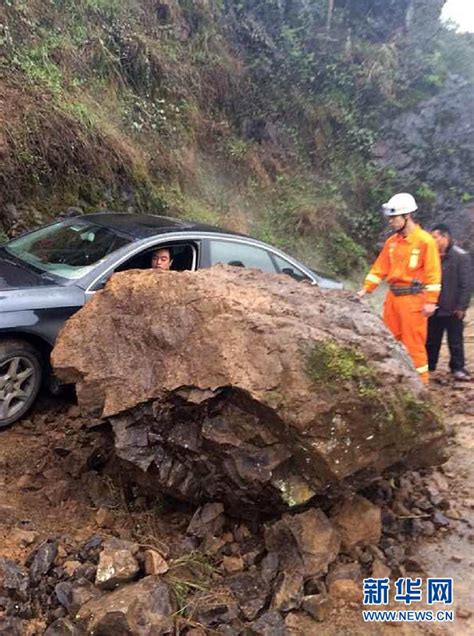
column 68, row 249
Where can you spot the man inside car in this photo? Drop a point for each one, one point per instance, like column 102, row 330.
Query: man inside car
column 161, row 259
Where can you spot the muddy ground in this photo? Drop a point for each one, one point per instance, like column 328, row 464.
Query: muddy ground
column 56, row 481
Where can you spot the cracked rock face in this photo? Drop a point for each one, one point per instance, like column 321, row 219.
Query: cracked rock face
column 247, row 388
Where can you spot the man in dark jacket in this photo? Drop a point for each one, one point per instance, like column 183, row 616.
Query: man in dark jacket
column 452, row 303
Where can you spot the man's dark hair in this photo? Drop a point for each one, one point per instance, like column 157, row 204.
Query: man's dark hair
column 442, row 228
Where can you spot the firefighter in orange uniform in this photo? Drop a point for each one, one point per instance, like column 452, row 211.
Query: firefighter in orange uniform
column 410, row 263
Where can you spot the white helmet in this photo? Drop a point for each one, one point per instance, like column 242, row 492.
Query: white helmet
column 401, row 203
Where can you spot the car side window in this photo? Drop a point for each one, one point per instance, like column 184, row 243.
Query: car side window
column 184, row 257
column 240, row 255
column 285, row 267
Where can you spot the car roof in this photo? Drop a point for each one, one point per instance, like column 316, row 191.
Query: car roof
column 146, row 225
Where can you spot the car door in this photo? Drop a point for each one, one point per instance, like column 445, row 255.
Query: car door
column 238, row 253
column 186, row 255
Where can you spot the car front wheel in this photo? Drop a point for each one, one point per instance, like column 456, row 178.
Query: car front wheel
column 20, row 379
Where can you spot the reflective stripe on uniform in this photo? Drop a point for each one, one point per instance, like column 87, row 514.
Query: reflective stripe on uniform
column 414, row 256
column 372, row 278
column 423, row 369
column 433, row 288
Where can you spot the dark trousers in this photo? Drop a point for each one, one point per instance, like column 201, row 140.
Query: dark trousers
column 437, row 325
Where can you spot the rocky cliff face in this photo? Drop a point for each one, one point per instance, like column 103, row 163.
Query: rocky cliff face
column 433, row 144
column 245, row 388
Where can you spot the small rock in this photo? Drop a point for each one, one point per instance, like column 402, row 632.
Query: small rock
column 252, row 556
column 233, row 563
column 318, row 605
column 288, row 591
column 232, row 548
column 82, row 591
column 450, row 475
column 57, row 492
column 380, row 570
column 71, row 567
column 208, row 519
column 63, row 627
column 400, row 509
column 62, row 554
column 456, row 558
column 42, row 559
column 154, row 562
column 63, row 593
column 13, row 579
column 117, row 564
column 104, row 518
column 376, row 552
column 269, row 624
column 11, row 626
column 423, row 504
column 241, row 533
column 413, row 565
column 145, row 607
column 23, row 537
column 439, row 520
column 310, row 535
column 315, row 586
column 347, row 590
column 358, row 521
column 365, row 556
column 440, row 480
column 395, row 554
column 344, row 571
column 251, row 592
column 428, row 528
column 29, row 482
column 211, row 544
column 74, row 411
column 269, row 567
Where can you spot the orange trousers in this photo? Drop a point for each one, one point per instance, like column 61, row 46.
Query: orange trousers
column 402, row 315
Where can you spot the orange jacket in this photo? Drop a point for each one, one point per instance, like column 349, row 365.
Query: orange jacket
column 406, row 259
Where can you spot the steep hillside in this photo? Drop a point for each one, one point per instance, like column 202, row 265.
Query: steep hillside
column 259, row 116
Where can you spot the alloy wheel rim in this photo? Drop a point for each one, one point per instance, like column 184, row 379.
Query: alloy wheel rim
column 17, row 383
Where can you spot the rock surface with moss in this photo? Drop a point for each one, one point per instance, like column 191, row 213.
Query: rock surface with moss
column 246, row 388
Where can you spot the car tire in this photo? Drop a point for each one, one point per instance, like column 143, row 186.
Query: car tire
column 20, row 379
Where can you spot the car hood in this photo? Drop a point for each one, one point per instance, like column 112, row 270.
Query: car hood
column 42, row 297
column 15, row 276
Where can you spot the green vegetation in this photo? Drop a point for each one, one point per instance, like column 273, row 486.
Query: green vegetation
column 425, row 195
column 188, row 575
column 251, row 115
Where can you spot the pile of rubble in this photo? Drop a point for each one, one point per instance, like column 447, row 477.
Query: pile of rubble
column 283, row 576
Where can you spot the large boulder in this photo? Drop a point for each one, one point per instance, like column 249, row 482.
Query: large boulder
column 236, row 386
